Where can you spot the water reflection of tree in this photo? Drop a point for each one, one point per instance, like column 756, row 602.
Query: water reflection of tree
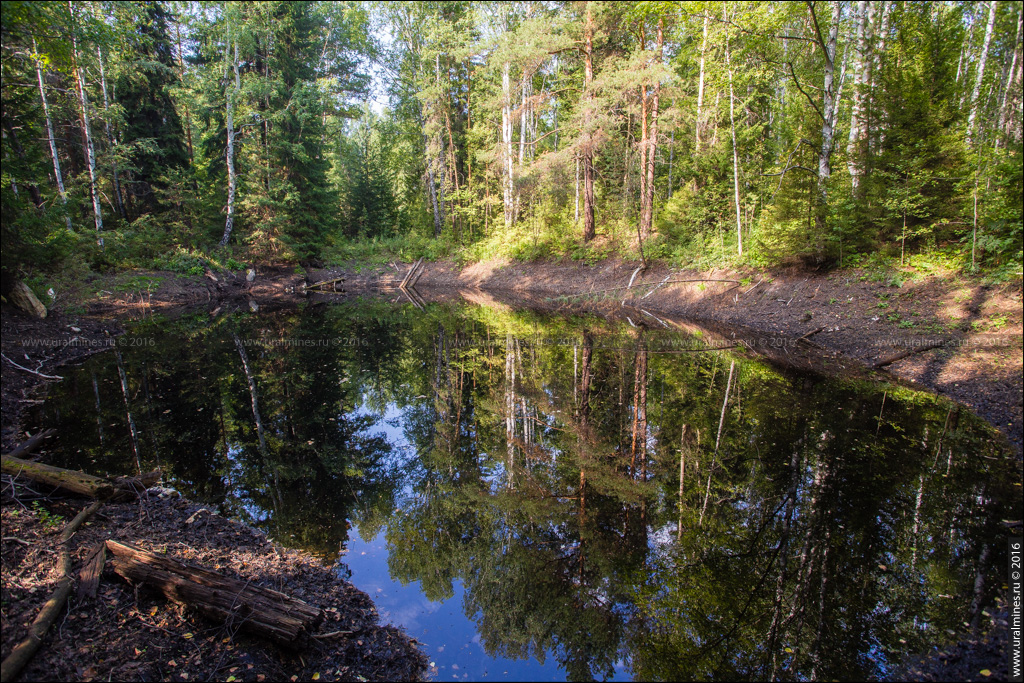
column 695, row 515
column 801, row 498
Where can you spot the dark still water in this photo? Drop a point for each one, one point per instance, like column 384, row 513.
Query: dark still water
column 546, row 498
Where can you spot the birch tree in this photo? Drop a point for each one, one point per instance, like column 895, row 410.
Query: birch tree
column 231, row 95
column 980, row 75
column 90, row 149
column 58, row 177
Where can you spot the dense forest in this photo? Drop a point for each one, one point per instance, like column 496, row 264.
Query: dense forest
column 185, row 135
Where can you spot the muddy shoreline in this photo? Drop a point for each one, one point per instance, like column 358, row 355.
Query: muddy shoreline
column 860, row 320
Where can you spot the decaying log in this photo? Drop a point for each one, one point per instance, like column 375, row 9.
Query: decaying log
column 78, row 482
column 408, row 275
column 321, row 286
column 261, row 611
column 903, row 354
column 23, row 651
column 69, row 480
column 25, row 299
column 29, row 444
column 89, row 576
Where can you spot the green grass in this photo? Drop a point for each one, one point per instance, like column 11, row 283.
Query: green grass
column 137, row 283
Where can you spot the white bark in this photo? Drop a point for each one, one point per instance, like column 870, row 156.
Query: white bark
column 110, row 135
column 229, row 223
column 829, row 103
column 508, row 181
column 979, row 77
column 576, row 214
column 524, row 123
column 735, row 156
column 861, row 66
column 90, row 148
column 700, row 85
column 53, row 141
column 875, row 142
column 1012, row 80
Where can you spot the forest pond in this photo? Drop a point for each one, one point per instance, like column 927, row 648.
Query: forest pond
column 547, row 498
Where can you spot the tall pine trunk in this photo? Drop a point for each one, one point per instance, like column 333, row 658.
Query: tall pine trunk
column 589, row 227
column 647, row 207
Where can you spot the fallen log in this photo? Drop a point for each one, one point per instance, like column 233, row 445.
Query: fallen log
column 78, row 482
column 903, row 354
column 409, row 274
column 23, row 652
column 319, row 286
column 280, row 618
column 89, row 576
column 29, row 444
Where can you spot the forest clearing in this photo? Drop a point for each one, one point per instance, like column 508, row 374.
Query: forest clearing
column 510, row 340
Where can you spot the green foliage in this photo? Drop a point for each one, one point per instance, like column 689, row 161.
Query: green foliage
column 50, row 521
column 480, row 149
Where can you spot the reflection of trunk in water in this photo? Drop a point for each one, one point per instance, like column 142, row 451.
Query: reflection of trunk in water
column 639, row 441
column 783, row 555
column 257, row 417
column 718, row 441
column 154, row 443
column 683, row 449
column 128, row 409
column 99, row 413
column 510, row 406
column 813, row 556
column 252, row 393
column 917, row 522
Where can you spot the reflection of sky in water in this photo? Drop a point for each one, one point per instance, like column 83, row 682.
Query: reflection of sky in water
column 447, row 636
column 874, row 500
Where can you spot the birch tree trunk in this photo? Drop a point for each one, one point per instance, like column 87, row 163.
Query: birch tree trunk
column 576, row 203
column 861, row 66
column 52, row 140
column 507, row 178
column 700, row 85
column 735, row 155
column 1013, row 78
column 118, row 204
column 877, row 139
column 253, row 394
column 229, row 224
column 828, row 114
column 979, row 77
column 90, row 149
